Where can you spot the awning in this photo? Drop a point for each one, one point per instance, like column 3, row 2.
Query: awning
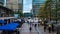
column 7, row 9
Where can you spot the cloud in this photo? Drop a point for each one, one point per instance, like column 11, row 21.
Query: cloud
column 26, row 12
column 27, row 5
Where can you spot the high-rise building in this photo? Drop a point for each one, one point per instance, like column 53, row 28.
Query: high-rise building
column 36, row 4
column 15, row 5
column 4, row 10
column 2, row 2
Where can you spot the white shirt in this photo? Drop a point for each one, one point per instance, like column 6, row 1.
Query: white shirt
column 40, row 20
column 36, row 20
column 29, row 20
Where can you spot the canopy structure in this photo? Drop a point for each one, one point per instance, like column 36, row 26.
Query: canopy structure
column 2, row 18
column 5, row 11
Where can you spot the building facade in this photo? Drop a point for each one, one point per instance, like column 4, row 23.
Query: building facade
column 4, row 12
column 36, row 4
column 2, row 2
column 15, row 5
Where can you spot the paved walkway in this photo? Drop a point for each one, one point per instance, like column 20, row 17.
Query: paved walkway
column 38, row 30
column 25, row 29
column 41, row 28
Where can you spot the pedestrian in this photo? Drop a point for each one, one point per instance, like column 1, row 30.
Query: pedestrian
column 49, row 28
column 29, row 20
column 52, row 28
column 30, row 29
column 35, row 25
column 36, row 22
column 45, row 27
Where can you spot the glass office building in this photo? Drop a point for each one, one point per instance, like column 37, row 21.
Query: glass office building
column 20, row 5
column 1, row 2
column 36, row 4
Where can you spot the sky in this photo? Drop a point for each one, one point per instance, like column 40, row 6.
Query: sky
column 27, row 5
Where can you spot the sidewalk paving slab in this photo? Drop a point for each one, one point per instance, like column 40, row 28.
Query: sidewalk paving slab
column 41, row 28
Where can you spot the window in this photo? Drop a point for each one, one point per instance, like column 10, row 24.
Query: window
column 20, row 1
